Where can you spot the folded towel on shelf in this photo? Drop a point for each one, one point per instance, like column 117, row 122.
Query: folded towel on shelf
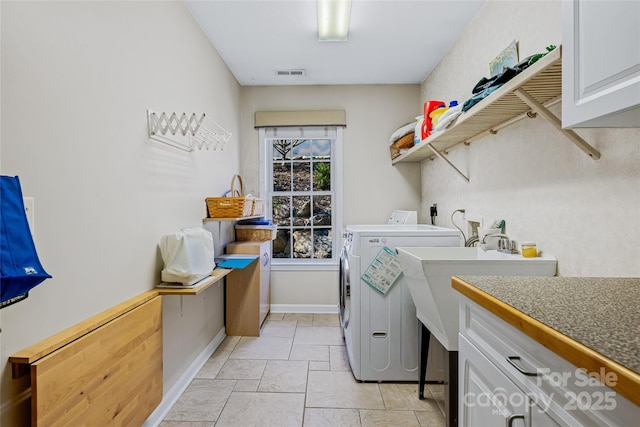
column 402, row 131
column 448, row 117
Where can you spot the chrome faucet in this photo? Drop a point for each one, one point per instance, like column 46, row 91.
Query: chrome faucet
column 504, row 244
column 501, row 236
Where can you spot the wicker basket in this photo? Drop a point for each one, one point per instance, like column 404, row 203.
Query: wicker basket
column 236, row 206
column 257, row 207
column 256, row 233
column 404, row 142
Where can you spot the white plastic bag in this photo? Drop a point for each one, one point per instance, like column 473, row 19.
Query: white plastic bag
column 188, row 255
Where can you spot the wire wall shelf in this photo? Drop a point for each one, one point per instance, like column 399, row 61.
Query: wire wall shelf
column 186, row 133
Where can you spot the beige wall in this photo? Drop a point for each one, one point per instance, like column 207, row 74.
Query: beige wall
column 582, row 211
column 372, row 187
column 77, row 78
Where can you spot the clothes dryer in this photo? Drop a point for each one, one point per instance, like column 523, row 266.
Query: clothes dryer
column 382, row 332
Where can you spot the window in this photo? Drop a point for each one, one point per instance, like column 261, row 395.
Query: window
column 302, row 183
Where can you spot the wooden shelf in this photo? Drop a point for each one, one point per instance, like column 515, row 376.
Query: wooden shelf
column 231, row 219
column 216, row 275
column 526, row 94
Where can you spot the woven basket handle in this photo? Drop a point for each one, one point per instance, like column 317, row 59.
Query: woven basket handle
column 234, row 191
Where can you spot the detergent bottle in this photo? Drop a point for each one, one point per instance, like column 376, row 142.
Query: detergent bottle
column 435, row 115
column 427, row 126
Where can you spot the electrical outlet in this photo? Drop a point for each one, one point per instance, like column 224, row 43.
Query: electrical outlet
column 29, row 206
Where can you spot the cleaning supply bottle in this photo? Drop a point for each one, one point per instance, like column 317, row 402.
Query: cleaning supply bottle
column 435, row 115
column 429, row 106
column 448, row 116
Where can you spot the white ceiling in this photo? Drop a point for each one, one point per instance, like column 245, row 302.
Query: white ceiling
column 390, row 42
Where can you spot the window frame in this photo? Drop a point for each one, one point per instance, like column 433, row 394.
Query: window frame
column 266, row 184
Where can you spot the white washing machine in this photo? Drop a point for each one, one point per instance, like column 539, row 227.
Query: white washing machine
column 382, row 332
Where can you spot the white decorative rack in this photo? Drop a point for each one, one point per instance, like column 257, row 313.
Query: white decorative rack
column 186, row 132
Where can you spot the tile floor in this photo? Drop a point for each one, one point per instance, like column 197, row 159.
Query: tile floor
column 297, row 374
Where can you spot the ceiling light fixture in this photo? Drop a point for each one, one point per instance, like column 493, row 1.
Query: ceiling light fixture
column 333, row 20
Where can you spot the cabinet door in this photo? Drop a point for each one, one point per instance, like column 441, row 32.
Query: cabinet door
column 488, row 397
column 539, row 418
column 601, row 63
column 263, row 249
column 265, row 280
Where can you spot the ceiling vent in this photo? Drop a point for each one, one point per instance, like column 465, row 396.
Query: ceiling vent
column 299, row 73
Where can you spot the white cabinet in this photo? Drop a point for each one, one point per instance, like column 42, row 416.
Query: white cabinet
column 485, row 397
column 600, row 63
column 490, row 398
column 508, row 379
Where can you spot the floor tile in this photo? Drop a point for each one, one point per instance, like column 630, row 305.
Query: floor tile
column 297, row 371
column 262, row 348
column 263, row 409
column 319, row 366
column 430, row 418
column 228, row 343
column 310, row 352
column 242, row 369
column 321, row 335
column 436, row 390
column 275, row 316
column 212, row 367
column 404, row 396
column 303, row 319
column 327, row 417
column 338, row 358
column 186, row 424
column 371, row 418
column 326, row 320
column 334, row 389
column 284, row 376
column 246, row 385
column 279, row 328
column 202, row 400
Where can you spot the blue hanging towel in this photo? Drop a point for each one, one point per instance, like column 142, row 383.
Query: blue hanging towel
column 20, row 268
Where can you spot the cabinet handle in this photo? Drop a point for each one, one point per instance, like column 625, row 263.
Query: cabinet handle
column 511, row 418
column 512, row 362
column 266, row 258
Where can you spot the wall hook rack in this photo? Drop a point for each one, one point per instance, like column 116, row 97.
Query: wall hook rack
column 186, row 132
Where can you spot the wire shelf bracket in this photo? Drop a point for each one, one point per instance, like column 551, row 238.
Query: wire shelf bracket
column 186, row 133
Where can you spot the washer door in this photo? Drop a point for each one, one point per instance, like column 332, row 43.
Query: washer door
column 345, row 289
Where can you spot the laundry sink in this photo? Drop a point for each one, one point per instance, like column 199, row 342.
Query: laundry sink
column 428, row 273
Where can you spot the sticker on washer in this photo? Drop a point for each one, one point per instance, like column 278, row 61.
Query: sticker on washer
column 383, row 272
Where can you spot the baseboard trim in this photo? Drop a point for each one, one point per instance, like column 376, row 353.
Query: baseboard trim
column 304, row 308
column 174, row 393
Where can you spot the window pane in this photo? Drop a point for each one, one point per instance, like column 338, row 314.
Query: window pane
column 321, row 149
column 281, row 212
column 302, row 243
column 322, row 176
column 300, row 149
column 322, row 244
column 302, row 176
column 282, row 149
column 281, row 245
column 282, row 176
column 321, row 210
column 302, row 195
column 301, row 210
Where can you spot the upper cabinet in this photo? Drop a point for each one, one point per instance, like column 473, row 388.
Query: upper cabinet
column 600, row 63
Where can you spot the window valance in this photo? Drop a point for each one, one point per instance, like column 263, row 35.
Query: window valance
column 300, row 118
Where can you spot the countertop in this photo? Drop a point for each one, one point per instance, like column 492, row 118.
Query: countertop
column 592, row 322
